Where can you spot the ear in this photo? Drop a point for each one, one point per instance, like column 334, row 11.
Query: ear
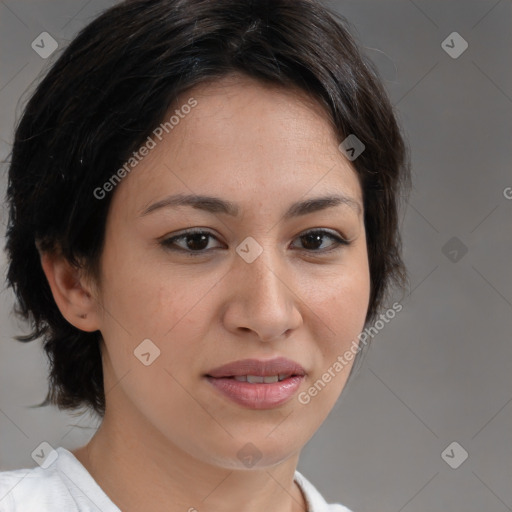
column 72, row 295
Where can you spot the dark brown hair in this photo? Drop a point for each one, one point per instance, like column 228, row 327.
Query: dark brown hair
column 114, row 84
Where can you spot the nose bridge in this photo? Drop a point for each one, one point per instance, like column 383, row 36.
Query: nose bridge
column 260, row 270
column 264, row 302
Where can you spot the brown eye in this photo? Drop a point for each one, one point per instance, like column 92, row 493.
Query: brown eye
column 314, row 239
column 190, row 241
column 195, row 243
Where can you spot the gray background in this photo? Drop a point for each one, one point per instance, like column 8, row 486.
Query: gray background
column 440, row 371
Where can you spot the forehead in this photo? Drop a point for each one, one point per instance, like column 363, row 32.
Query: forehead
column 242, row 137
column 250, row 111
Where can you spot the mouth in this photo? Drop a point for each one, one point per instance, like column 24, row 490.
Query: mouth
column 258, row 384
column 258, row 379
column 253, row 369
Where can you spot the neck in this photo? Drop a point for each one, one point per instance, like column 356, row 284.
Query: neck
column 146, row 472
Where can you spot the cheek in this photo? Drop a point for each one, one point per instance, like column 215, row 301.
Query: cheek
column 339, row 308
column 138, row 291
column 341, row 297
column 157, row 302
column 337, row 314
column 346, row 303
column 144, row 302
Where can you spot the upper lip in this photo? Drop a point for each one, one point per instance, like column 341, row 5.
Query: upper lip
column 258, row 367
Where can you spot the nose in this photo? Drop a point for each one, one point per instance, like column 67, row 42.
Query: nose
column 262, row 298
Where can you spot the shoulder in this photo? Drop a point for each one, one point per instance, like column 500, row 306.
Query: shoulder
column 61, row 484
column 314, row 500
column 33, row 489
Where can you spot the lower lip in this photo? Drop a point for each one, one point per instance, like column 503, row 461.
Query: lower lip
column 258, row 396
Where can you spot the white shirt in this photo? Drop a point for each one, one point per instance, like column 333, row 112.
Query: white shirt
column 64, row 485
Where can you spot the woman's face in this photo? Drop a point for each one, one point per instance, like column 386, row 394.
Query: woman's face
column 259, row 284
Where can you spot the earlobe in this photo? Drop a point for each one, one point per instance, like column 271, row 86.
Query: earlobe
column 70, row 292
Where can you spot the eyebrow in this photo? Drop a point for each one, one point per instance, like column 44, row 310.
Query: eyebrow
column 217, row 205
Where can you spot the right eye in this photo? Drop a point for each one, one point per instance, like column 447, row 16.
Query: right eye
column 193, row 242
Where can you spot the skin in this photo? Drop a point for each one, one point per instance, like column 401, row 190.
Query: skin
column 169, row 440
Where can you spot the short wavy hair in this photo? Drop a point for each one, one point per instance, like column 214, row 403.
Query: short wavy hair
column 113, row 85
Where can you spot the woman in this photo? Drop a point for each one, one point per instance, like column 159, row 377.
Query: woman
column 203, row 218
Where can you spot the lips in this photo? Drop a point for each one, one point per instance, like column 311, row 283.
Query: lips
column 279, row 366
column 256, row 384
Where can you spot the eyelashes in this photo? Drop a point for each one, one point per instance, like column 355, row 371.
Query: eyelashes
column 196, row 242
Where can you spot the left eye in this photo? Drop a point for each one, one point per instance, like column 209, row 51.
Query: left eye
column 315, row 236
column 197, row 242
